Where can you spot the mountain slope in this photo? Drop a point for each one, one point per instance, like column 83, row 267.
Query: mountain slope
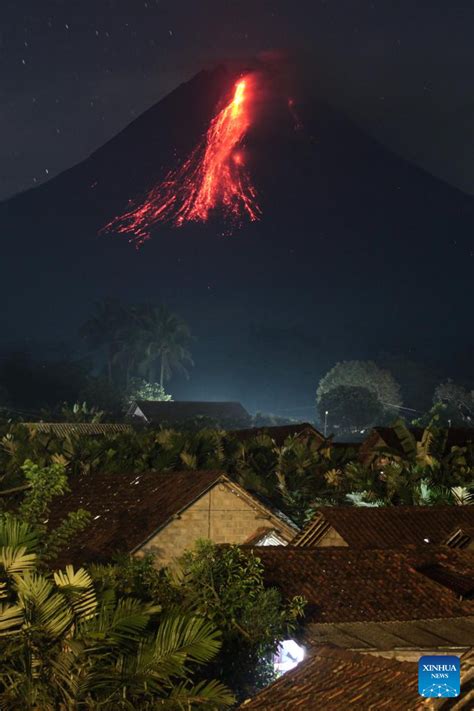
column 355, row 247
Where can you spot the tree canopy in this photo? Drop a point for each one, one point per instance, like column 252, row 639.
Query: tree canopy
column 363, row 374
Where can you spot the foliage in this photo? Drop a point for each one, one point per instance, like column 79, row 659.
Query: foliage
column 363, row 374
column 164, row 338
column 138, row 341
column 295, row 477
column 42, row 484
column 141, row 389
column 458, row 403
column 80, row 412
column 63, row 646
column 225, row 585
column 350, row 408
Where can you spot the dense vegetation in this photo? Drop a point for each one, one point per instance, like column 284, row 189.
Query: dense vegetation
column 127, row 635
column 302, row 473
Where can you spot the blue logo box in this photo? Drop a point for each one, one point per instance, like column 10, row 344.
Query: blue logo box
column 439, row 676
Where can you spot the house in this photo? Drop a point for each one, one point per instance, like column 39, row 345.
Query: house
column 90, row 429
column 162, row 513
column 281, row 433
column 179, row 412
column 337, row 679
column 386, row 438
column 384, row 526
column 461, row 537
column 395, row 604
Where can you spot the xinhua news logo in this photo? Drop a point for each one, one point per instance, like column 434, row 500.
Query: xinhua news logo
column 439, row 677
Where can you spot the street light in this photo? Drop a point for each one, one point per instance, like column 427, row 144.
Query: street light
column 326, row 422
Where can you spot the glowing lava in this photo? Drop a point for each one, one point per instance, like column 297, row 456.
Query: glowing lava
column 212, row 178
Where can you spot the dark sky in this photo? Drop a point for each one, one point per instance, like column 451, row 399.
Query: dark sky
column 75, row 72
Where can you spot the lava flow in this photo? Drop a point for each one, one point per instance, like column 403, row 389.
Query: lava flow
column 213, row 177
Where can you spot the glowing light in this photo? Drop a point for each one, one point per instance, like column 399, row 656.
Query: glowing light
column 212, row 178
column 288, row 656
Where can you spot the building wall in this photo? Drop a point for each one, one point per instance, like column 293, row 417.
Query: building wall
column 331, row 538
column 221, row 515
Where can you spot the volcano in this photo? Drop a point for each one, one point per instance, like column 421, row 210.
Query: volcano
column 350, row 253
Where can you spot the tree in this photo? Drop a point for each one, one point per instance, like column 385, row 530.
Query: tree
column 225, row 585
column 107, row 329
column 362, row 374
column 458, row 403
column 64, row 647
column 141, row 389
column 350, row 408
column 163, row 339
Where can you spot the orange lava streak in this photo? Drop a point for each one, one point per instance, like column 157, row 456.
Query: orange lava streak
column 212, row 178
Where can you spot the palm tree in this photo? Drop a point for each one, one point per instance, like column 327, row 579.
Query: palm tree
column 164, row 339
column 63, row 648
column 108, row 329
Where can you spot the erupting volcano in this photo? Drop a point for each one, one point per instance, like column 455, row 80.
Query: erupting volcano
column 212, row 178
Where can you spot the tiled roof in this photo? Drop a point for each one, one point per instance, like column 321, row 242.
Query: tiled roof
column 456, row 580
column 63, row 429
column 280, row 433
column 126, row 509
column 460, row 537
column 181, row 411
column 349, row 585
column 386, row 526
column 336, row 679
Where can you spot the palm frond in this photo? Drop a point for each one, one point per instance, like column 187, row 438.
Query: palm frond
column 15, row 560
column 206, row 695
column 11, row 619
column 183, row 639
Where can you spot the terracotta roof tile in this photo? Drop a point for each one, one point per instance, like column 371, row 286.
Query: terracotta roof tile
column 336, row 679
column 126, row 509
column 63, row 429
column 347, row 585
column 387, row 526
column 279, row 433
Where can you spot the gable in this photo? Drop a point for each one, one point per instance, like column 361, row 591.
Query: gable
column 224, row 514
column 386, row 526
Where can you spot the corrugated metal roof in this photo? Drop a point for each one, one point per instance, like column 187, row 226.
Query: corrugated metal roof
column 439, row 634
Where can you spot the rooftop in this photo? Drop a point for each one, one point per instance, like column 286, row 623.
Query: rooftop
column 184, row 410
column 387, row 526
column 127, row 509
column 64, row 429
column 350, row 585
column 336, row 679
column 279, row 433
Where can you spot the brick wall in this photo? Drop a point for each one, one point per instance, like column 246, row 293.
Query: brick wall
column 331, row 538
column 221, row 516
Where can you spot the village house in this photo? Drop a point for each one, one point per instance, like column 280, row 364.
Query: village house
column 388, row 526
column 89, row 429
column 164, row 513
column 179, row 412
column 337, row 679
column 392, row 603
column 280, row 433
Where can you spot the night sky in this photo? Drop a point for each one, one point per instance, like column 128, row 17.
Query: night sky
column 359, row 254
column 75, row 73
